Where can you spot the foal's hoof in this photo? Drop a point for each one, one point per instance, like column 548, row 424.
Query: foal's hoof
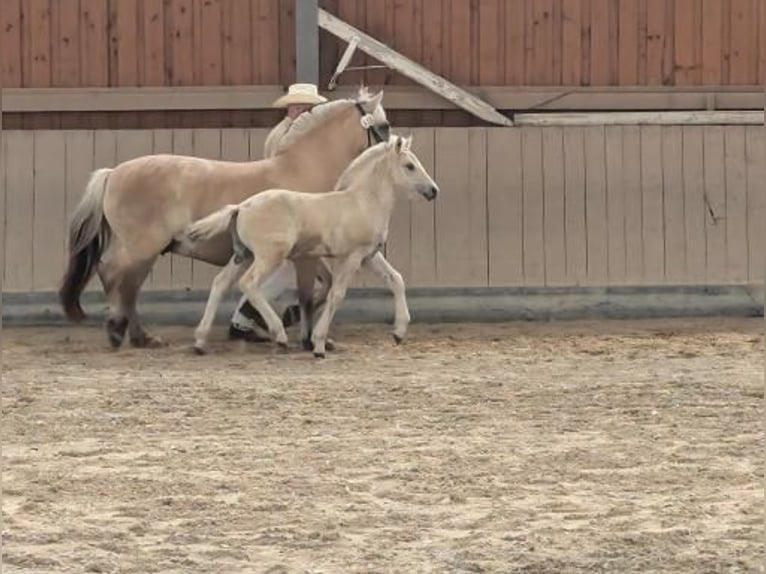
column 200, row 350
column 282, row 346
column 319, row 355
column 398, row 339
column 308, row 345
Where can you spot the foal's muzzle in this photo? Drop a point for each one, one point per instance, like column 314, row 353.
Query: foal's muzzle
column 428, row 191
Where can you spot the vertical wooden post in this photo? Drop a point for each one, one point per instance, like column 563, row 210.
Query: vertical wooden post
column 307, row 41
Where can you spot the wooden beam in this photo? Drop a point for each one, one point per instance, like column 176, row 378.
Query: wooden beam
column 696, row 118
column 519, row 99
column 412, row 70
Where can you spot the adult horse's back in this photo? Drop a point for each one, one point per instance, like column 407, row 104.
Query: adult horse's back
column 129, row 214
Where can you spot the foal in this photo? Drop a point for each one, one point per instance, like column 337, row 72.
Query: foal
column 349, row 224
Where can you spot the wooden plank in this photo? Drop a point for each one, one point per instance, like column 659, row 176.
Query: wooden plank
column 688, row 23
column 491, row 43
column 10, row 45
column 460, row 42
column 460, row 211
column 574, row 207
column 161, row 277
column 557, row 44
column 65, row 39
column 460, row 97
column 668, row 58
column 655, row 41
column 207, row 41
column 554, row 207
column 180, row 34
column 585, row 53
column 715, row 201
column 651, row 192
column 532, row 206
column 673, row 204
column 639, row 118
column 736, row 204
column 615, row 203
column 762, row 44
column 94, row 59
column 540, row 58
column 380, row 25
column 124, row 42
column 207, row 144
column 286, row 42
column 423, row 216
column 712, row 11
column 599, row 43
column 408, row 30
column 504, row 208
column 104, row 148
column 725, row 48
column 756, row 204
column 595, row 205
column 181, row 267
column 36, row 41
column 631, row 173
column 627, row 74
column 268, row 43
column 151, row 61
column 643, row 41
column 742, row 49
column 515, row 41
column 49, row 233
column 237, row 42
column 695, row 209
column 18, row 149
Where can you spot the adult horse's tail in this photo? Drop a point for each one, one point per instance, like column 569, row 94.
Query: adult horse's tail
column 88, row 238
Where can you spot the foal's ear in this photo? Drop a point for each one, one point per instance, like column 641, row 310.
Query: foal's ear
column 400, row 143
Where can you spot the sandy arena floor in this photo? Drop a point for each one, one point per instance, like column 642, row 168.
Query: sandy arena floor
column 575, row 447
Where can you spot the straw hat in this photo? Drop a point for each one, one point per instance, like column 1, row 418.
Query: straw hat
column 299, row 94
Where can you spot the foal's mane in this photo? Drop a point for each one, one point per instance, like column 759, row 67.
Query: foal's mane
column 317, row 116
column 361, row 162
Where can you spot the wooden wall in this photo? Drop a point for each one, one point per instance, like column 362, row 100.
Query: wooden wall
column 553, row 206
column 488, row 42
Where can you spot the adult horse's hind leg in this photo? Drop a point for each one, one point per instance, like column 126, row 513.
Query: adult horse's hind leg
column 121, row 284
column 130, row 286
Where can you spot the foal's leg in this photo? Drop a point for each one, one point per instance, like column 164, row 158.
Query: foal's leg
column 382, row 268
column 342, row 277
column 221, row 284
column 305, row 273
column 250, row 285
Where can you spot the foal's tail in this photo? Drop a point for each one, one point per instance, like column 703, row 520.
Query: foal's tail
column 215, row 223
column 88, row 237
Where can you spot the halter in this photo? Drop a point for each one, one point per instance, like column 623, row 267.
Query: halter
column 368, row 124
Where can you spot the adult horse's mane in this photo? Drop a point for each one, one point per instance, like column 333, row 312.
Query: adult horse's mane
column 317, row 116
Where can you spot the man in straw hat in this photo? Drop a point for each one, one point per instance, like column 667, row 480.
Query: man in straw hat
column 246, row 323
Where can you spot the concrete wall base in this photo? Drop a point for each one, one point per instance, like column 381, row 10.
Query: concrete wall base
column 434, row 305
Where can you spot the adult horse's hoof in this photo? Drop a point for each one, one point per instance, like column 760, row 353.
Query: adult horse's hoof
column 147, row 341
column 307, row 345
column 115, row 331
column 398, row 339
column 282, row 346
column 319, row 355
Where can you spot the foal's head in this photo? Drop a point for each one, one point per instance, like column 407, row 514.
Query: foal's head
column 407, row 173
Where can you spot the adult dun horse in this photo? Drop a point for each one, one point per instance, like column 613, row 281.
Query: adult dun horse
column 130, row 213
column 349, row 225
